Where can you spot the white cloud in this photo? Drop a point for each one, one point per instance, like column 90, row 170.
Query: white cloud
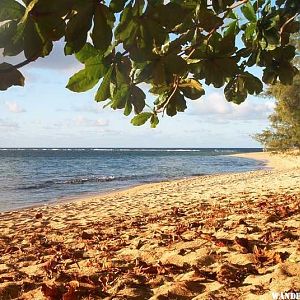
column 93, row 107
column 215, row 106
column 82, row 121
column 58, row 61
column 5, row 124
column 55, row 61
column 14, row 107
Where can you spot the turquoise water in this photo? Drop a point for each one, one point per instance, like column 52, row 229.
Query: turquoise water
column 37, row 176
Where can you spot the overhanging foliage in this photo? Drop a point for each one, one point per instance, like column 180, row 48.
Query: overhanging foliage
column 173, row 47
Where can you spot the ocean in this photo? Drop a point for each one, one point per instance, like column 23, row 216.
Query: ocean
column 32, row 177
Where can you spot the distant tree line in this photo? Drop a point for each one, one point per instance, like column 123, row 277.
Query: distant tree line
column 284, row 131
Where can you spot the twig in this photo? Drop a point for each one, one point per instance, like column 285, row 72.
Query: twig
column 288, row 21
column 237, row 4
column 171, row 96
column 17, row 66
column 191, row 53
column 209, row 35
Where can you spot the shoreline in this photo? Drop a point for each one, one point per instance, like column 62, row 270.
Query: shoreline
column 273, row 161
column 228, row 236
column 270, row 162
column 92, row 195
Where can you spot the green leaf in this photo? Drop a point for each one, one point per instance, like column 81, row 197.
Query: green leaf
column 95, row 68
column 216, row 70
column 141, row 118
column 128, row 34
column 11, row 10
column 54, row 8
column 249, row 12
column 250, row 31
column 29, row 11
column 154, row 35
column 162, row 14
column 208, row 20
column 35, row 44
column 286, row 72
column 176, row 104
column 233, row 15
column 288, row 52
column 137, row 98
column 86, row 52
column 235, row 91
column 10, row 76
column 82, row 81
column 158, row 43
column 78, row 27
column 191, row 4
column 192, row 89
column 102, row 31
column 174, row 64
column 51, row 27
column 226, row 45
column 121, row 75
column 162, row 98
column 232, row 28
column 117, row 5
column 254, row 58
column 125, row 27
column 128, row 108
column 103, row 92
column 143, row 72
column 238, row 88
column 159, row 89
column 7, row 31
column 120, row 97
column 11, row 38
column 154, row 121
column 269, row 76
column 221, row 5
column 253, row 84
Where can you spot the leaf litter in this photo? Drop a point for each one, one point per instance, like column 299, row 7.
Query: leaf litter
column 201, row 249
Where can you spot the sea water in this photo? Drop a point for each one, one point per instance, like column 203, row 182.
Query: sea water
column 38, row 176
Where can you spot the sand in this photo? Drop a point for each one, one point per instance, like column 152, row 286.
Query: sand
column 274, row 161
column 228, row 236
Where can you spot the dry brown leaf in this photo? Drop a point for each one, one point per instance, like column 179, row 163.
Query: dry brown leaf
column 52, row 291
column 247, row 245
column 70, row 294
column 232, row 275
column 269, row 257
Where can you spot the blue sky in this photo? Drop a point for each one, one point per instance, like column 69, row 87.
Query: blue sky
column 45, row 114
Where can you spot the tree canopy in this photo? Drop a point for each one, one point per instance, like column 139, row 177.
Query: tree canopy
column 284, row 131
column 173, row 48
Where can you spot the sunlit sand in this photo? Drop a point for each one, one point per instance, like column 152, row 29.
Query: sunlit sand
column 229, row 236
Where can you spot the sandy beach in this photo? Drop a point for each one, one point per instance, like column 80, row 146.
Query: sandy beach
column 228, row 236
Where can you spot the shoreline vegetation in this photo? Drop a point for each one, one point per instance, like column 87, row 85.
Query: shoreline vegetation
column 226, row 236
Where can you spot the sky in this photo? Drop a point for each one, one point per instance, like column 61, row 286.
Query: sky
column 46, row 114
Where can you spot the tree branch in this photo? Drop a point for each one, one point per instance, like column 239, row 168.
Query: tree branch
column 209, row 35
column 237, row 4
column 176, row 83
column 17, row 66
column 288, row 21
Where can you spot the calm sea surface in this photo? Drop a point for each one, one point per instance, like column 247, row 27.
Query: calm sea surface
column 37, row 176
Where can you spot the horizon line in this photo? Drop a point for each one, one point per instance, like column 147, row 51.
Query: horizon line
column 1, row 148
